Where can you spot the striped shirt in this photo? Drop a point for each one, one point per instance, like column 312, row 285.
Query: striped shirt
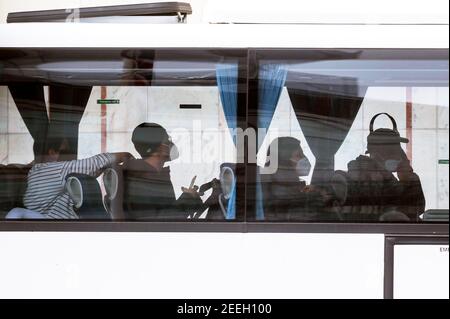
column 46, row 185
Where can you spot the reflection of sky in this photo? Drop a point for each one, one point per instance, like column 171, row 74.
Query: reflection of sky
column 113, row 70
column 370, row 72
column 116, row 66
column 80, row 66
column 339, row 76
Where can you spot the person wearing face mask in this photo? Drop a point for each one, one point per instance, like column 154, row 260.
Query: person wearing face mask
column 148, row 190
column 286, row 195
column 386, row 184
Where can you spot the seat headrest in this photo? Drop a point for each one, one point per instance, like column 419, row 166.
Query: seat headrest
column 227, row 181
column 75, row 190
column 111, row 182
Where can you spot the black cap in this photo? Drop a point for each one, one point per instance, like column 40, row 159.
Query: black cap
column 384, row 136
column 147, row 137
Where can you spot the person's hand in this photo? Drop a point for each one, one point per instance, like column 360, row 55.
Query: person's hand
column 193, row 192
column 324, row 194
column 309, row 189
column 190, row 200
column 122, row 157
column 405, row 171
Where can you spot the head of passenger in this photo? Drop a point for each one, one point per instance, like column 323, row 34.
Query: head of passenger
column 57, row 150
column 384, row 146
column 154, row 145
column 290, row 156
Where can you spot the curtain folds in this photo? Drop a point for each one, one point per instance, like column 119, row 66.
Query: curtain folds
column 227, row 82
column 271, row 81
column 66, row 108
column 326, row 113
column 67, row 105
column 30, row 103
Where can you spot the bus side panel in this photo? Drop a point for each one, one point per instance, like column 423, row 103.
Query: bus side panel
column 190, row 265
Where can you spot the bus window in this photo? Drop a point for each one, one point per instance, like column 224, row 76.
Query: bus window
column 136, row 135
column 352, row 136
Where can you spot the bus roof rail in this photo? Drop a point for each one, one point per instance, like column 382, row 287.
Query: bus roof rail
column 179, row 9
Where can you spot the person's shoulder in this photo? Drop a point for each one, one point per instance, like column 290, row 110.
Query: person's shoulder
column 46, row 166
column 135, row 164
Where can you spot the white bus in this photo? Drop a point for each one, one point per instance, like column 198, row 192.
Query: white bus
column 312, row 154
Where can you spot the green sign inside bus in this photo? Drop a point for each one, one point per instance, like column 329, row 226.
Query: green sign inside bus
column 108, row 101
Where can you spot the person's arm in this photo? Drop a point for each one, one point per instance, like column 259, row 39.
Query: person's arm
column 411, row 198
column 94, row 166
column 121, row 157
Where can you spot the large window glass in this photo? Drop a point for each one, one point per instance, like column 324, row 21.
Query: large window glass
column 351, row 136
column 140, row 135
column 193, row 135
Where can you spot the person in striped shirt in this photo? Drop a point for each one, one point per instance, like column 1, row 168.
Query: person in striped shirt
column 46, row 193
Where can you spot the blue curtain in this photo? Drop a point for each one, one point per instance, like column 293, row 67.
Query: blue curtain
column 227, row 81
column 272, row 78
column 231, row 210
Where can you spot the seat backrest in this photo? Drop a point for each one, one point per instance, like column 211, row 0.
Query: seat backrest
column 13, row 184
column 86, row 194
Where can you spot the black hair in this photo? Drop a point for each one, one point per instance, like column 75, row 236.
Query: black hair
column 286, row 147
column 54, row 144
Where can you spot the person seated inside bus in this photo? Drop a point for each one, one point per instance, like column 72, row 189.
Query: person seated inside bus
column 148, row 190
column 286, row 195
column 45, row 195
column 382, row 185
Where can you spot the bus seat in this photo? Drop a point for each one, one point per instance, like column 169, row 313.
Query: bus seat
column 339, row 187
column 86, row 194
column 113, row 200
column 352, row 198
column 13, row 184
column 356, row 199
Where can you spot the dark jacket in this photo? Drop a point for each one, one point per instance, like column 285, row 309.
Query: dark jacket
column 374, row 192
column 149, row 194
column 284, row 199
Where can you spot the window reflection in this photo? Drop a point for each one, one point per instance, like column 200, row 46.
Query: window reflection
column 372, row 132
column 108, row 138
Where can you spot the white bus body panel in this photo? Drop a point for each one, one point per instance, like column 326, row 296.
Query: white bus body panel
column 92, row 35
column 190, row 265
column 327, row 11
column 421, row 271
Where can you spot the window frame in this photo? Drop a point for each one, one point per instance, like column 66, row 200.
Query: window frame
column 247, row 118
column 389, row 255
column 255, row 55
